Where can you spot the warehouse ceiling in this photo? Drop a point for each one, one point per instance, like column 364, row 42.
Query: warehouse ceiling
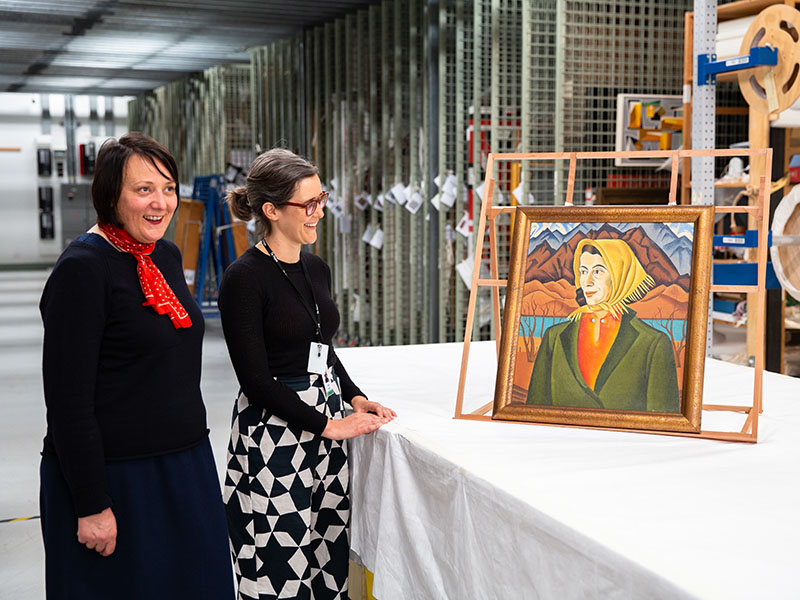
column 122, row 47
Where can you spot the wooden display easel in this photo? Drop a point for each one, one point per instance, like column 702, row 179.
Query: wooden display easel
column 749, row 430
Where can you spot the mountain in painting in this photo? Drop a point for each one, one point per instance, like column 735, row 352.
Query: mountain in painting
column 550, row 255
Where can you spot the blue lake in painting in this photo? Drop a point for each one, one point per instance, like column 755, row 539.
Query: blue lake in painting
column 672, row 327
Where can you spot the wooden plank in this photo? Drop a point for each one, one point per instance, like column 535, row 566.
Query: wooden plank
column 673, row 182
column 760, row 166
column 748, row 422
column 552, row 156
column 495, row 267
column 737, row 209
column 493, row 282
column 10, row 149
column 483, row 409
column 571, row 179
column 761, row 301
column 493, row 211
column 488, row 191
column 727, row 407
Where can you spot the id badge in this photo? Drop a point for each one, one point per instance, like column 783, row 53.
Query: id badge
column 317, row 358
column 330, row 385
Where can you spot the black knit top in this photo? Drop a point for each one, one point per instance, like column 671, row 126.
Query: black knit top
column 268, row 331
column 120, row 382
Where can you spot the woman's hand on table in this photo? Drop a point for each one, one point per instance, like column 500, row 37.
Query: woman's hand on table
column 99, row 532
column 367, row 417
column 361, row 405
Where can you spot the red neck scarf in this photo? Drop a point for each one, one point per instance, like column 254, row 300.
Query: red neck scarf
column 157, row 292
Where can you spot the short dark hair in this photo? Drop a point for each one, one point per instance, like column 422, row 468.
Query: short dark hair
column 109, row 171
column 273, row 178
column 580, row 297
column 589, row 249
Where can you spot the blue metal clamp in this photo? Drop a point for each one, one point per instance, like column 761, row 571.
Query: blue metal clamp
column 708, row 67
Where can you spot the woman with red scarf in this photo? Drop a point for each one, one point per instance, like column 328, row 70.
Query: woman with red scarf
column 130, row 498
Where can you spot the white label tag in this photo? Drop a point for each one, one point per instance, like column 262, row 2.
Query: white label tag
column 330, row 386
column 318, row 358
column 733, row 240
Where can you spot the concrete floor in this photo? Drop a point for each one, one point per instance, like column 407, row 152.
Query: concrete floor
column 22, row 426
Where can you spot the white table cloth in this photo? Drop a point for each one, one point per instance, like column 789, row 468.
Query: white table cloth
column 446, row 508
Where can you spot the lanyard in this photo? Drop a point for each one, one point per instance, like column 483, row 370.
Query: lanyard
column 316, row 318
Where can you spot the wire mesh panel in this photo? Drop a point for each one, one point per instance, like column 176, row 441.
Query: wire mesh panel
column 408, row 164
column 373, row 138
column 455, row 96
column 352, row 95
column 237, row 107
column 205, row 120
column 538, row 95
column 613, row 47
column 392, row 250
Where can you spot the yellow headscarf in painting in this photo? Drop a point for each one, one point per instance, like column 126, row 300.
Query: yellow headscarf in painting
column 629, row 281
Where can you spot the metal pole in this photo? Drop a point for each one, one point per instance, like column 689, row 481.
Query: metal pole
column 69, row 127
column 433, row 162
column 704, row 103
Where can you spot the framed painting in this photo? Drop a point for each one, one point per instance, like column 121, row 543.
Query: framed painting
column 605, row 317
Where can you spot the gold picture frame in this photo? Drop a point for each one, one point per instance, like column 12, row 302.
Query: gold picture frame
column 614, row 398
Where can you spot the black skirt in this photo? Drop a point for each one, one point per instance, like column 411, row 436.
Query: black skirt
column 172, row 539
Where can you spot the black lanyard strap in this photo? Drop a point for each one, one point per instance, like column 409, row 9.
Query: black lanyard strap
column 314, row 317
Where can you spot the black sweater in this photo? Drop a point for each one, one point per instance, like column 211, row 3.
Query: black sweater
column 268, row 331
column 120, row 382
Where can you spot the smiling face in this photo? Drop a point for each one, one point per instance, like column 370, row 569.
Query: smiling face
column 290, row 224
column 147, row 200
column 595, row 280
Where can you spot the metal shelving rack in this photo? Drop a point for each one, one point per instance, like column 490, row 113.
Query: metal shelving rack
column 353, row 95
column 205, row 120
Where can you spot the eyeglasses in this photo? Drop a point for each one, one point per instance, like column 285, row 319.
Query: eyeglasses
column 311, row 205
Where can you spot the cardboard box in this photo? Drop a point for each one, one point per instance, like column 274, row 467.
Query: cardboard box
column 188, row 230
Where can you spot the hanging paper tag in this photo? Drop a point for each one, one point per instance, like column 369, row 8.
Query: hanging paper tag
column 317, row 358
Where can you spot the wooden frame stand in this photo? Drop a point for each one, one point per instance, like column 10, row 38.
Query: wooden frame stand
column 758, row 211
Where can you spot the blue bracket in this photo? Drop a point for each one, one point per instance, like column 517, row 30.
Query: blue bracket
column 743, row 274
column 708, row 67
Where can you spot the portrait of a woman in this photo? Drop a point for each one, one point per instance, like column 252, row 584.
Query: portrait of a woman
column 603, row 355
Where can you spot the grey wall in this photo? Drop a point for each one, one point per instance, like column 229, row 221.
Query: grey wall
column 21, row 127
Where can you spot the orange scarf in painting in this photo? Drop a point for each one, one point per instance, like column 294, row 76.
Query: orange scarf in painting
column 629, row 281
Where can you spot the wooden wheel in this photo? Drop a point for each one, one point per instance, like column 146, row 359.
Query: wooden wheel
column 786, row 258
column 773, row 89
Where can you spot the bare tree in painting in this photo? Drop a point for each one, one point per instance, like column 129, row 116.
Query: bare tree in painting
column 681, row 345
column 529, row 326
column 667, row 324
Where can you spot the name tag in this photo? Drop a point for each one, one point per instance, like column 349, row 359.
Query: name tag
column 317, row 358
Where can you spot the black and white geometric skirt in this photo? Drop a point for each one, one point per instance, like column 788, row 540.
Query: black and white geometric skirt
column 287, row 500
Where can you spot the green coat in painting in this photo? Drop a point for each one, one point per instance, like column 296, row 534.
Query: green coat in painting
column 638, row 373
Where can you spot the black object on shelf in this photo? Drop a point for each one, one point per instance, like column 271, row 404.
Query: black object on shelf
column 44, row 162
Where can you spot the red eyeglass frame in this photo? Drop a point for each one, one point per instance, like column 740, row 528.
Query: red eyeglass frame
column 311, row 205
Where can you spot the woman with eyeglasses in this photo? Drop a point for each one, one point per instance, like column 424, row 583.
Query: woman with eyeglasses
column 287, row 485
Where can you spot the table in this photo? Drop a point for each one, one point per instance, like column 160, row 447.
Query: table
column 446, row 508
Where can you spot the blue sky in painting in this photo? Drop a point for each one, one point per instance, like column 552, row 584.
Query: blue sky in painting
column 680, row 229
